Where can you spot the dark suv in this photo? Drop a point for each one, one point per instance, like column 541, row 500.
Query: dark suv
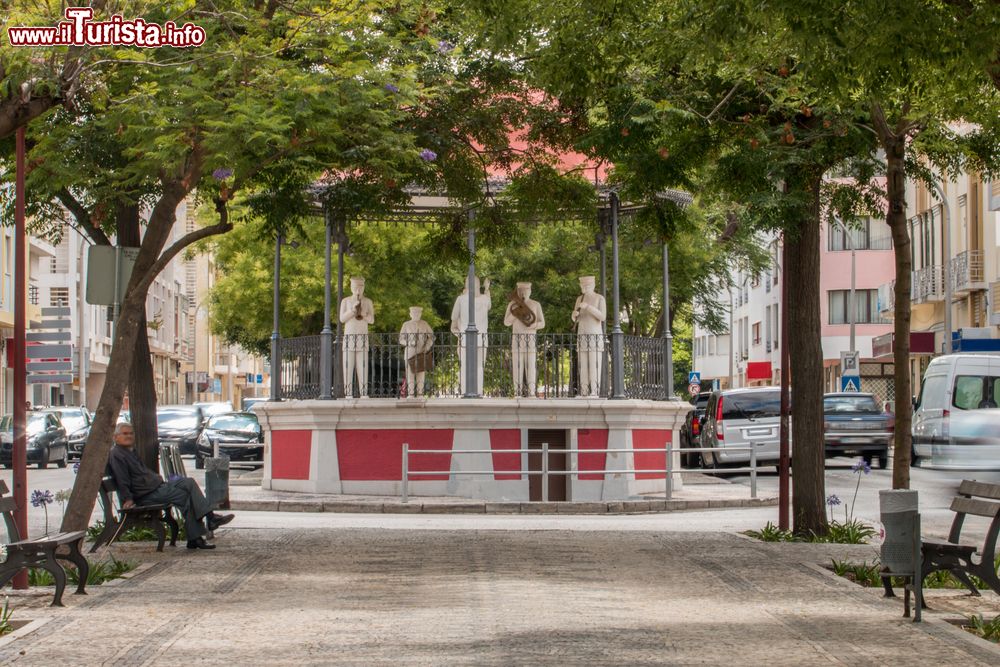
column 180, row 425
column 691, row 430
column 76, row 421
column 237, row 434
column 855, row 425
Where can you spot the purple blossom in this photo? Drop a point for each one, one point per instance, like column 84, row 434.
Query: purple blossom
column 427, row 155
column 862, row 466
column 41, row 498
column 76, row 467
column 391, row 87
column 832, row 500
column 444, row 46
column 222, row 173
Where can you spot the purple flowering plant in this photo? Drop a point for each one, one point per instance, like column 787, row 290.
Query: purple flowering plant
column 222, row 173
column 391, row 87
column 42, row 499
column 427, row 155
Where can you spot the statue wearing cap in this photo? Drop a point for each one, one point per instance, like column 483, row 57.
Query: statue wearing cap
column 460, row 322
column 589, row 314
column 356, row 313
column 524, row 316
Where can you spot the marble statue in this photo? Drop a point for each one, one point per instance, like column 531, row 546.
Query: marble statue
column 417, row 337
column 588, row 315
column 524, row 316
column 459, row 323
column 356, row 313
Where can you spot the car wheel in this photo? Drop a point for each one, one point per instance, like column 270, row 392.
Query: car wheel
column 43, row 462
column 64, row 461
column 883, row 461
column 199, row 462
column 867, row 459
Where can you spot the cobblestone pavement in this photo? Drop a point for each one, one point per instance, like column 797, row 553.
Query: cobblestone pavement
column 370, row 596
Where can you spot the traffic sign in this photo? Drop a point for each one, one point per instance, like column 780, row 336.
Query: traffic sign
column 260, row 379
column 693, row 389
column 849, row 363
column 850, row 383
column 694, row 377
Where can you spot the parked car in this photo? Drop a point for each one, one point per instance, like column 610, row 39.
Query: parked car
column 691, row 430
column 248, row 403
column 737, row 418
column 125, row 416
column 180, row 425
column 238, row 435
column 855, row 425
column 956, row 421
column 77, row 422
column 215, row 408
column 46, row 440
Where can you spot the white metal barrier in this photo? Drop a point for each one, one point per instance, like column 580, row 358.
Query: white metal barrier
column 668, row 471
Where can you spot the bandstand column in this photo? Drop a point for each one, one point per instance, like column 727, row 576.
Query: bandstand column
column 617, row 339
column 602, row 246
column 471, row 333
column 338, row 370
column 275, row 336
column 668, row 337
column 326, row 336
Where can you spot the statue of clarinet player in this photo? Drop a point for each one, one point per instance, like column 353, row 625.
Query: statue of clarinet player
column 589, row 314
column 524, row 316
column 356, row 313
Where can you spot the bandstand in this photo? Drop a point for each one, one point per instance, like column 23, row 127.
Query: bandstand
column 468, row 429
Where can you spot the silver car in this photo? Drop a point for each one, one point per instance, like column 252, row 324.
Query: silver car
column 735, row 420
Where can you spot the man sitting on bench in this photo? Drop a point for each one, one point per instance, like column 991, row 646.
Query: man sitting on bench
column 138, row 484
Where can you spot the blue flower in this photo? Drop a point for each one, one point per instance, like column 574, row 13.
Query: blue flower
column 76, row 467
column 427, row 155
column 222, row 173
column 41, row 498
column 444, row 46
column 391, row 87
column 832, row 500
column 862, row 466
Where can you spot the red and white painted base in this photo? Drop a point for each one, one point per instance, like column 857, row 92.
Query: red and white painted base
column 355, row 446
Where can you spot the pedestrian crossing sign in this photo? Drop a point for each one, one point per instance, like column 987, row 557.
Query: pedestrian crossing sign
column 850, row 383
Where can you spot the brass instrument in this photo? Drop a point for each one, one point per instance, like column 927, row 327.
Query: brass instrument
column 358, row 314
column 521, row 310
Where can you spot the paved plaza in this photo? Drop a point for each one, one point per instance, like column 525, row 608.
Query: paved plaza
column 328, row 589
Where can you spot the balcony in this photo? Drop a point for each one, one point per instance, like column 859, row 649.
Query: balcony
column 928, row 284
column 967, row 272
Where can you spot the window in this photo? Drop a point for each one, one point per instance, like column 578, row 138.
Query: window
column 864, row 234
column 59, row 296
column 774, row 329
column 866, row 306
column 712, row 344
column 932, row 393
column 975, row 392
column 756, row 333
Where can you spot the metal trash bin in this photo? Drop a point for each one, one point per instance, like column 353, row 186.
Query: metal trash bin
column 217, row 482
column 901, row 547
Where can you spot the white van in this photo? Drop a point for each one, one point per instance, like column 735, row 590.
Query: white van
column 956, row 423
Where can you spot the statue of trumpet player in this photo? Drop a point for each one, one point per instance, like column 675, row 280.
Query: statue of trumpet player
column 356, row 313
column 460, row 322
column 524, row 316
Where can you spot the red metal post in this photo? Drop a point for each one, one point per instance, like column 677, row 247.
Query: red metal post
column 19, row 454
column 784, row 457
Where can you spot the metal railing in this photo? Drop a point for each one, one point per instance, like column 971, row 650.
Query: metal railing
column 668, row 471
column 393, row 360
column 967, row 271
column 928, row 284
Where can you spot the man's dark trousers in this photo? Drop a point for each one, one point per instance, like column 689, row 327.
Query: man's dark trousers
column 185, row 495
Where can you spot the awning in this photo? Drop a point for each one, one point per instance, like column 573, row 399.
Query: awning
column 921, row 342
column 758, row 370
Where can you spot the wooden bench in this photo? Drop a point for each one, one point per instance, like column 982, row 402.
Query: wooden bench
column 958, row 557
column 117, row 520
column 41, row 552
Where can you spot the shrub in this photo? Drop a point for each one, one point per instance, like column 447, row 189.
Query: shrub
column 100, row 571
column 771, row 533
column 989, row 630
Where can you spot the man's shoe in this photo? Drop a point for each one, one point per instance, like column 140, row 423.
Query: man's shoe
column 216, row 520
column 200, row 543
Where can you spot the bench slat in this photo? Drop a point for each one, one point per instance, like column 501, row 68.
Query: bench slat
column 8, row 504
column 970, row 487
column 976, row 507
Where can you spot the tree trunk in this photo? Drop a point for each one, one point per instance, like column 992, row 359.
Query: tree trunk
column 806, row 365
column 895, row 152
column 141, row 386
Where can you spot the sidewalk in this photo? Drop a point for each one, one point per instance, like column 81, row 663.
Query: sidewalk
column 308, row 594
column 699, row 492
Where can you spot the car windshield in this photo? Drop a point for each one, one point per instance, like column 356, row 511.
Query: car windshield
column 855, row 405
column 36, row 424
column 751, row 405
column 233, row 423
column 73, row 421
column 215, row 408
column 177, row 419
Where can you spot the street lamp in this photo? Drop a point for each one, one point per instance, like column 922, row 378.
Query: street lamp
column 851, row 312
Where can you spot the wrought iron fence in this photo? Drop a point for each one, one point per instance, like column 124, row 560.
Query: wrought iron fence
column 433, row 364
